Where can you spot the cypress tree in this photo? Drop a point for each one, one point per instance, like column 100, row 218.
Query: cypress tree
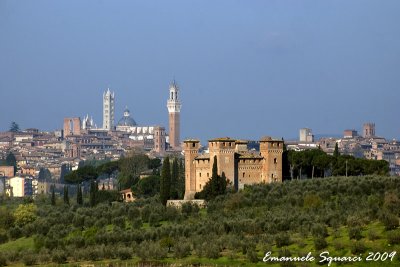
column 336, row 152
column 93, row 193
column 174, row 179
column 66, row 197
column 165, row 185
column 79, row 199
column 53, row 196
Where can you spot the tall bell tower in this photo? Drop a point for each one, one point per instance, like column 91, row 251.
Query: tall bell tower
column 174, row 110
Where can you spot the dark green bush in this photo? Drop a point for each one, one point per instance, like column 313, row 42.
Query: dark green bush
column 58, row 256
column 358, row 247
column 393, row 237
column 282, row 239
column 320, row 243
column 355, row 233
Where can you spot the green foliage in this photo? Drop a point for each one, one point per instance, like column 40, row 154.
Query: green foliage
column 6, row 218
column 282, row 239
column 147, row 187
column 165, row 184
column 355, row 233
column 53, row 195
column 79, row 197
column 11, row 161
column 320, row 243
column 14, row 127
column 84, row 173
column 24, row 214
column 3, row 236
column 358, row 247
column 66, row 196
column 215, row 186
column 316, row 163
column 44, row 175
column 93, row 193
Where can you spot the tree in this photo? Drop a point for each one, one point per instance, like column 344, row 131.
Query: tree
column 14, row 127
column 53, row 195
column 66, row 197
column 93, row 193
column 216, row 185
column 130, row 169
column 165, row 185
column 44, row 175
column 11, row 161
column 336, row 153
column 79, row 198
column 24, row 214
column 147, row 187
column 174, row 179
column 181, row 180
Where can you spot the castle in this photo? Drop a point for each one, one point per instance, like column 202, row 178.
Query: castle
column 240, row 165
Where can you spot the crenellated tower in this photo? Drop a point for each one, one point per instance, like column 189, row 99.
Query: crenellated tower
column 191, row 151
column 271, row 150
column 174, row 110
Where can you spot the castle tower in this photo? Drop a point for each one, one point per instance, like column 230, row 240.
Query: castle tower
column 159, row 139
column 272, row 151
column 174, row 110
column 224, row 149
column 108, row 110
column 191, row 150
column 368, row 130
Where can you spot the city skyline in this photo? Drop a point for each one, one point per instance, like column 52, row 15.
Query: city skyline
column 250, row 70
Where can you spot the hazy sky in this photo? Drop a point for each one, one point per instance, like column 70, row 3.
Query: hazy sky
column 245, row 68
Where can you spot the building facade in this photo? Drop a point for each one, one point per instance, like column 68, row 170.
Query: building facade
column 174, row 110
column 239, row 165
column 108, row 110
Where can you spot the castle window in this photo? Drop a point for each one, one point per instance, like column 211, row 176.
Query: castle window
column 243, row 175
column 275, row 161
column 200, row 186
column 208, row 175
column 193, row 144
column 200, row 174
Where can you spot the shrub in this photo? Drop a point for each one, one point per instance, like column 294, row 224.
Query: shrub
column 124, row 253
column 29, row 259
column 251, row 255
column 320, row 243
column 119, row 221
column 373, row 235
column 389, row 220
column 3, row 261
column 358, row 247
column 15, row 232
column 338, row 245
column 394, row 237
column 3, row 236
column 355, row 233
column 154, row 220
column 181, row 249
column 282, row 239
column 59, row 256
column 137, row 223
column 211, row 250
column 319, row 230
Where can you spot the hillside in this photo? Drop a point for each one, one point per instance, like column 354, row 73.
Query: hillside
column 344, row 216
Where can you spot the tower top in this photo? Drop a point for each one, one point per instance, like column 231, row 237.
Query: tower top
column 173, row 103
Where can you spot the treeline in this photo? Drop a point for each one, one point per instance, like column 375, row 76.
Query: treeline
column 128, row 170
column 241, row 226
column 316, row 163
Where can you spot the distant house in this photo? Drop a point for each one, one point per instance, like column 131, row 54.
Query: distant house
column 127, row 195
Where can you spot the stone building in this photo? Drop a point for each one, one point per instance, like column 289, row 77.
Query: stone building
column 240, row 165
column 368, row 130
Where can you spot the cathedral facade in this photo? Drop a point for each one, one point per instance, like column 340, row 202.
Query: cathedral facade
column 240, row 165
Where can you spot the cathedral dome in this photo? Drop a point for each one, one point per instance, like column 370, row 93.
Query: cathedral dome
column 126, row 120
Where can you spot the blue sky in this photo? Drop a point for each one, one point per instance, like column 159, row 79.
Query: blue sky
column 245, row 68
